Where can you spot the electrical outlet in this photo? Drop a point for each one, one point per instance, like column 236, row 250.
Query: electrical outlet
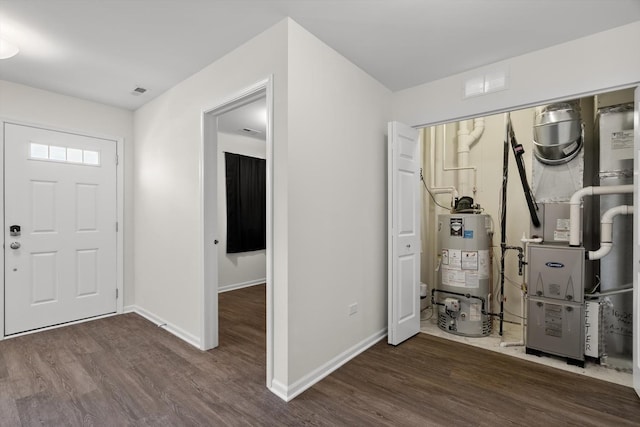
column 353, row 309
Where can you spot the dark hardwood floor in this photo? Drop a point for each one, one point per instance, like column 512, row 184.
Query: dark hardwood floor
column 124, row 371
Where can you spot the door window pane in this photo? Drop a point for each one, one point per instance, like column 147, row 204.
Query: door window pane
column 39, row 151
column 91, row 158
column 57, row 153
column 74, row 155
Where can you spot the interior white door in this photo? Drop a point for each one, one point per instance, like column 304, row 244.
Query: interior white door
column 60, row 190
column 404, row 232
column 636, row 244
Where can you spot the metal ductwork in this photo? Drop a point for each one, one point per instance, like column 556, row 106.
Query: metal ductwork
column 557, row 133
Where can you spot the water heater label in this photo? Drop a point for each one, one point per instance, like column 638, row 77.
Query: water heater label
column 471, row 280
column 455, row 259
column 470, row 260
column 456, row 227
column 468, row 234
column 453, row 278
column 483, row 264
column 445, row 257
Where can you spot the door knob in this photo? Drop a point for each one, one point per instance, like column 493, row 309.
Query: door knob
column 14, row 245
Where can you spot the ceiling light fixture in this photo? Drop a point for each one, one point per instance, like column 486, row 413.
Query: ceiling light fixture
column 7, row 49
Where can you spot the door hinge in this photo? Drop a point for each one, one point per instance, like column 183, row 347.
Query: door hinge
column 117, row 160
column 117, row 227
column 117, row 293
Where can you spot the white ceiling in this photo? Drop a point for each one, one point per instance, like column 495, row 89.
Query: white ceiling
column 102, row 49
column 249, row 120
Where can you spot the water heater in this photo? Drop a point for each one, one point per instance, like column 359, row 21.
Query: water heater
column 463, row 293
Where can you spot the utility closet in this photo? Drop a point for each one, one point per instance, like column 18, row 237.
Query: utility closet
column 527, row 226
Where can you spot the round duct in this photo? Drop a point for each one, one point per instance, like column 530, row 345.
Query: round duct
column 557, row 133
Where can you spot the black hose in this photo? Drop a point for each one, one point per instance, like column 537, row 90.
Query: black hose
column 518, row 151
column 503, row 218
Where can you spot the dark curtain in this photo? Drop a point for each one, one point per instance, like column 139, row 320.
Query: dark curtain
column 246, row 203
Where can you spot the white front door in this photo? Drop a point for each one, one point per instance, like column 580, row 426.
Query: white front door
column 60, row 190
column 404, row 232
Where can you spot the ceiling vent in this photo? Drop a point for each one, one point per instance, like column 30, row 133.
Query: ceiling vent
column 250, row 131
column 138, row 91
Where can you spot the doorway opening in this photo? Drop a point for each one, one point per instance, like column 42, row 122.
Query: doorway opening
column 225, row 129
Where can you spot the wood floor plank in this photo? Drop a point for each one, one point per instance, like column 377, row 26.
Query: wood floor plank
column 125, row 371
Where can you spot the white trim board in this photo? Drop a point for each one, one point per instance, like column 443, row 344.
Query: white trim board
column 235, row 286
column 161, row 323
column 306, row 382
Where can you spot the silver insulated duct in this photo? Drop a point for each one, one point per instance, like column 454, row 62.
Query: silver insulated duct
column 557, row 133
column 615, row 134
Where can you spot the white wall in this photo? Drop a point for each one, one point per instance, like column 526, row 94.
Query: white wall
column 31, row 105
column 168, row 191
column 236, row 270
column 337, row 207
column 584, row 66
column 329, row 200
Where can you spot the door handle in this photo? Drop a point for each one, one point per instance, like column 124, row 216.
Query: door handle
column 15, row 245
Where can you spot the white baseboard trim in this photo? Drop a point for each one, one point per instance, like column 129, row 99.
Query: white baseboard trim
column 169, row 327
column 288, row 393
column 233, row 287
column 279, row 390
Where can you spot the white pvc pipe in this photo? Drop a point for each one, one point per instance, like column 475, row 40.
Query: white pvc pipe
column 432, row 176
column 609, row 293
column 432, row 158
column 576, row 202
column 466, row 139
column 606, row 230
column 521, row 342
column 444, row 190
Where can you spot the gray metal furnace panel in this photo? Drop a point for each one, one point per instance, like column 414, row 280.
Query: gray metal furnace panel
column 556, row 327
column 554, row 223
column 556, row 272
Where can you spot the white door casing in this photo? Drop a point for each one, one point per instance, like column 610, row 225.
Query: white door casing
column 404, row 232
column 62, row 192
column 208, row 176
column 636, row 243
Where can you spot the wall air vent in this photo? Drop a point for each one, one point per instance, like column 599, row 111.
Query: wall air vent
column 481, row 85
